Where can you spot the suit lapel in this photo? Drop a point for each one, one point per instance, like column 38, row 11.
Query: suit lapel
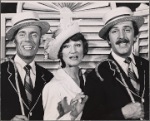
column 126, row 78
column 141, row 74
column 11, row 75
column 121, row 70
column 39, row 83
column 12, row 80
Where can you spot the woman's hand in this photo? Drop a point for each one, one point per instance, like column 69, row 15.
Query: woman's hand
column 77, row 104
column 63, row 107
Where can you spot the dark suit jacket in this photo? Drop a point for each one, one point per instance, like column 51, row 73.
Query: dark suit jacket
column 10, row 105
column 107, row 97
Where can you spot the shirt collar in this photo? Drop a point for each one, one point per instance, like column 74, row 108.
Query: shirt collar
column 120, row 60
column 132, row 57
column 21, row 63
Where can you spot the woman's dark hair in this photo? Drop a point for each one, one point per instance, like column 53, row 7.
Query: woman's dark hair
column 136, row 31
column 75, row 37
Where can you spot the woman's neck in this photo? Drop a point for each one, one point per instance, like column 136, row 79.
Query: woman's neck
column 73, row 73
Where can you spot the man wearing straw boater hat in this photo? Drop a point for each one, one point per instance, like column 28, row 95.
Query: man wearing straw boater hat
column 118, row 86
column 22, row 79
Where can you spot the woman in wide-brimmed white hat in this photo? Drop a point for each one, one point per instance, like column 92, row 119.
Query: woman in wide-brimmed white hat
column 63, row 97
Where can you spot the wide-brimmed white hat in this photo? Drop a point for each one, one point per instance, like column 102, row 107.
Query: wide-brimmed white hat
column 118, row 15
column 52, row 46
column 23, row 19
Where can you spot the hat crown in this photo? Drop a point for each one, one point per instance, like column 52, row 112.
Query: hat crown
column 24, row 19
column 61, row 35
column 116, row 13
column 70, row 28
column 25, row 16
column 116, row 16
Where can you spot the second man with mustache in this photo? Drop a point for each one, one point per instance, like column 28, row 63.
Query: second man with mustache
column 118, row 87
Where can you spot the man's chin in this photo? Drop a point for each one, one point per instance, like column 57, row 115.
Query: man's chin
column 28, row 56
column 124, row 54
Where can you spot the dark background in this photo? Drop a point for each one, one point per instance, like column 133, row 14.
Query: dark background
column 11, row 7
column 8, row 7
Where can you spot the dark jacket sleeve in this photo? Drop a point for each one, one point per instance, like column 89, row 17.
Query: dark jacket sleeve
column 145, row 65
column 99, row 105
column 7, row 94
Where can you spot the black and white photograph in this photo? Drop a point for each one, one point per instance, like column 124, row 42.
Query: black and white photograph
column 74, row 60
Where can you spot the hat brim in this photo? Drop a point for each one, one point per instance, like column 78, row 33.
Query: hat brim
column 137, row 19
column 56, row 43
column 43, row 25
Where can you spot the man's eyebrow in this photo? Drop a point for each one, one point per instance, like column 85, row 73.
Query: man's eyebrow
column 34, row 32
column 114, row 27
column 21, row 31
column 128, row 26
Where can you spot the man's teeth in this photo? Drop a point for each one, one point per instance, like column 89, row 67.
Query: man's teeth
column 73, row 57
column 28, row 47
column 122, row 44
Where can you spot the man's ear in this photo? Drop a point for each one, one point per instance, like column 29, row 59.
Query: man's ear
column 108, row 42
column 136, row 38
column 107, row 39
column 41, row 40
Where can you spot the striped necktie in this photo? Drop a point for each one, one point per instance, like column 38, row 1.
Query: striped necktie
column 28, row 84
column 131, row 74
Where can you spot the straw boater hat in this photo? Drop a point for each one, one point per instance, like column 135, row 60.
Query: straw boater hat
column 26, row 19
column 62, row 34
column 118, row 15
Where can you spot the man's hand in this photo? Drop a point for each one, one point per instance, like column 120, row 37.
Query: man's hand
column 133, row 111
column 77, row 105
column 20, row 118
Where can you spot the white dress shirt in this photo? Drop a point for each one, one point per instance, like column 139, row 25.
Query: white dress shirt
column 124, row 66
column 20, row 67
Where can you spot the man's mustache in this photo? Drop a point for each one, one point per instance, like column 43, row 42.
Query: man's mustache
column 122, row 41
